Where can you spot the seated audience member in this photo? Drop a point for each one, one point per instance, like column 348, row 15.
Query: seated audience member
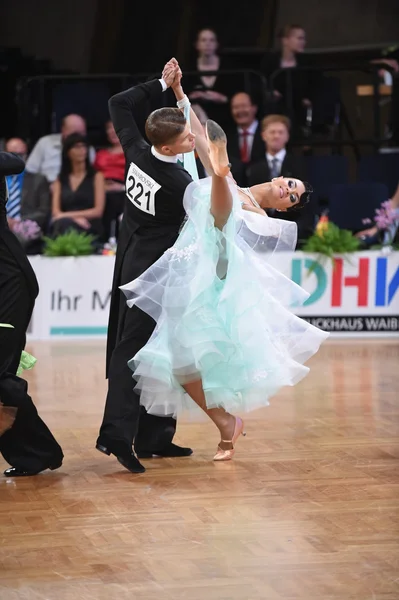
column 244, row 142
column 111, row 163
column 290, row 56
column 278, row 162
column 309, row 89
column 78, row 196
column 377, row 234
column 211, row 92
column 45, row 157
column 390, row 77
column 29, row 200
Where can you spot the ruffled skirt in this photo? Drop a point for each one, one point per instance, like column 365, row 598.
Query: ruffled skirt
column 223, row 314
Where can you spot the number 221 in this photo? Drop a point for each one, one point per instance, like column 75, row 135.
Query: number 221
column 139, row 194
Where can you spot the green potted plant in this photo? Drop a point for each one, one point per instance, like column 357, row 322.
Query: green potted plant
column 71, row 243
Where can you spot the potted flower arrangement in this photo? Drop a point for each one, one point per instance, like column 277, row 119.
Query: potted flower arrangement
column 329, row 240
column 386, row 221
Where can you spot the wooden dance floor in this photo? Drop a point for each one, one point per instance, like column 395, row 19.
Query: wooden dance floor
column 308, row 509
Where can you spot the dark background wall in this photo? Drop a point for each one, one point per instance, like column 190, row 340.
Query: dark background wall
column 126, row 35
column 342, row 22
column 61, row 31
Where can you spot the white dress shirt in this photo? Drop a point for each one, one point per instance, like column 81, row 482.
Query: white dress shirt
column 250, row 135
column 163, row 157
column 280, row 156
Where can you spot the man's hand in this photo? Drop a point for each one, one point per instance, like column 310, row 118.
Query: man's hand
column 390, row 62
column 168, row 75
column 169, row 71
column 12, row 222
column 171, row 63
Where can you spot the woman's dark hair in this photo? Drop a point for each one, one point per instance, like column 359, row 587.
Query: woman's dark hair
column 304, row 198
column 66, row 165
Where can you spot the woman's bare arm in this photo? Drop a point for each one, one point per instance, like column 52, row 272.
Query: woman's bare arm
column 201, row 143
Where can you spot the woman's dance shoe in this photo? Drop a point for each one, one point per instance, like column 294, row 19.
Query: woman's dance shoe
column 228, row 454
column 217, row 142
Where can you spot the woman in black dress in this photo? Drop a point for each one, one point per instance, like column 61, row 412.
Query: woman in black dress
column 291, row 100
column 79, row 192
column 210, row 92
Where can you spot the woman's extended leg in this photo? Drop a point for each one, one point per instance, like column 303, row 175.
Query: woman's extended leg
column 230, row 427
column 221, row 198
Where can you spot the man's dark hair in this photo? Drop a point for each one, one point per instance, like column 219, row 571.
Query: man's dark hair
column 164, row 125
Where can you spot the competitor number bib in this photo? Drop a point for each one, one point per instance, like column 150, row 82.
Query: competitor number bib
column 141, row 189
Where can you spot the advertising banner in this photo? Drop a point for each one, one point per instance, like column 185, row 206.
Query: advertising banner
column 354, row 296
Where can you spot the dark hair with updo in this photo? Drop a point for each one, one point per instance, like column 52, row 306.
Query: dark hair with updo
column 66, row 164
column 304, row 198
column 164, row 125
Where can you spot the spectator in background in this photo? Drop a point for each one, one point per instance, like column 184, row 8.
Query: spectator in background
column 307, row 97
column 111, row 163
column 211, row 92
column 78, row 195
column 390, row 58
column 290, row 56
column 375, row 234
column 45, row 157
column 29, row 200
column 244, row 142
column 278, row 162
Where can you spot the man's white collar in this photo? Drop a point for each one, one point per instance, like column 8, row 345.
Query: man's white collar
column 169, row 159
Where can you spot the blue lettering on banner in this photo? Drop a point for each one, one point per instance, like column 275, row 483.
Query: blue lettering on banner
column 383, row 292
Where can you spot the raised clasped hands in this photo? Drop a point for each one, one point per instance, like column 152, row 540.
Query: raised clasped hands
column 171, row 73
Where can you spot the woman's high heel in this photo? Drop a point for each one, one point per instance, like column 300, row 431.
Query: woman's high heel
column 228, row 454
column 217, row 143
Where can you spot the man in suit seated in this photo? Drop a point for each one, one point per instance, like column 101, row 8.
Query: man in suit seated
column 276, row 162
column 29, row 199
column 244, row 142
column 45, row 156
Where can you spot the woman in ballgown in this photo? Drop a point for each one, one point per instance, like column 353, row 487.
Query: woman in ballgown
column 226, row 339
